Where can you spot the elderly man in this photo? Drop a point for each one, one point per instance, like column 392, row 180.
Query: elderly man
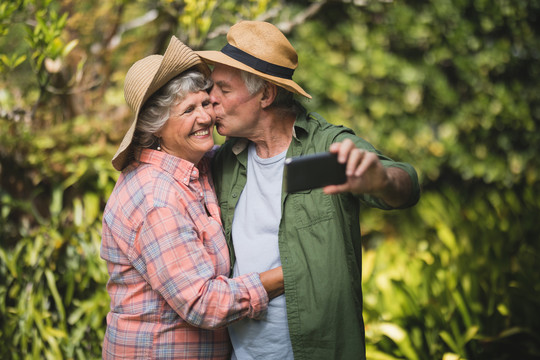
column 314, row 234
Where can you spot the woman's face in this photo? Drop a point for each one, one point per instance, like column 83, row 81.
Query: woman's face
column 188, row 133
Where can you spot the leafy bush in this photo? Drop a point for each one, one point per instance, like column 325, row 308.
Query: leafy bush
column 456, row 289
column 53, row 300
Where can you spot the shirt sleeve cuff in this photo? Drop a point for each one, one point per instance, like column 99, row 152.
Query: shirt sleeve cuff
column 257, row 295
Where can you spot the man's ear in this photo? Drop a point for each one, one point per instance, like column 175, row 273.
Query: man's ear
column 268, row 95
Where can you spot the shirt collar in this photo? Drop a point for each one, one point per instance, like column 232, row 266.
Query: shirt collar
column 239, row 145
column 182, row 170
column 301, row 121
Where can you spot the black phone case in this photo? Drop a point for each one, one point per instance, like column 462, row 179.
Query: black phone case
column 313, row 171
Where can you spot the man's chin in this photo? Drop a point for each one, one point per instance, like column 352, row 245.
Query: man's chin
column 221, row 131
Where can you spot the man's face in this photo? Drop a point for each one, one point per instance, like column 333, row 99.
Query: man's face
column 237, row 112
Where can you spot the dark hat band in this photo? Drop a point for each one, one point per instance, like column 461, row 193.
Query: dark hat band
column 256, row 63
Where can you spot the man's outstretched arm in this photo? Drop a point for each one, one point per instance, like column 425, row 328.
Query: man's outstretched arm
column 367, row 175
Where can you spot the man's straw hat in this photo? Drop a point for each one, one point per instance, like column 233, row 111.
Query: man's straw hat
column 260, row 48
column 147, row 76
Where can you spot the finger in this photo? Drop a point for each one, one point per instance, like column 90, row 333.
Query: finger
column 335, row 189
column 344, row 150
column 329, row 190
column 334, row 148
column 368, row 161
column 355, row 158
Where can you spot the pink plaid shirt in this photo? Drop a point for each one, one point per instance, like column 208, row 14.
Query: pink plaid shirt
column 168, row 262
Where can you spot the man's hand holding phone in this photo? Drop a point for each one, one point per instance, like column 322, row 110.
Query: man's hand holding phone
column 365, row 172
column 346, row 168
column 367, row 175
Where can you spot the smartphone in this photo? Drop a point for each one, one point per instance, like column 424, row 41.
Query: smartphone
column 313, row 171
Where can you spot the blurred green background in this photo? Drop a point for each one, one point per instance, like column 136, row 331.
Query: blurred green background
column 451, row 86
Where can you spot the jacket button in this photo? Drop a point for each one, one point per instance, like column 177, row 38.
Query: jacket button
column 234, row 195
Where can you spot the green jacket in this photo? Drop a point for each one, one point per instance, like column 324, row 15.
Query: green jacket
column 319, row 243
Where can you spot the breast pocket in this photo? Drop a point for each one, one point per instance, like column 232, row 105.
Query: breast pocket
column 310, row 207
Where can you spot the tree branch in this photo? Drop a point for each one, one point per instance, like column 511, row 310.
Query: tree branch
column 135, row 23
column 286, row 26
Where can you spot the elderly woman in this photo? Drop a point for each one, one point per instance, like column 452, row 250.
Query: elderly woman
column 162, row 237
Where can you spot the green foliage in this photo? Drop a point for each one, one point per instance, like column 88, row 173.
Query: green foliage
column 448, row 85
column 199, row 17
column 429, row 81
column 458, row 289
column 43, row 33
column 52, row 289
column 8, row 11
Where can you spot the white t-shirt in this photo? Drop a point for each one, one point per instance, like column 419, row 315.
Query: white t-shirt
column 255, row 237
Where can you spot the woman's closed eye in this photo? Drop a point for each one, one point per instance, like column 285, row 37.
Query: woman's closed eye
column 189, row 110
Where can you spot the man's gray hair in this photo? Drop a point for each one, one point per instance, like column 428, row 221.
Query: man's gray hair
column 156, row 110
column 284, row 98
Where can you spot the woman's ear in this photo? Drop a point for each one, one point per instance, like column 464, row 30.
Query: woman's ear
column 268, row 95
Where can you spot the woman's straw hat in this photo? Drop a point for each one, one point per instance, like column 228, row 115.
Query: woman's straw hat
column 260, row 48
column 147, row 76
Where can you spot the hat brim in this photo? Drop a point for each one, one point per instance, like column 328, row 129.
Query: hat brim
column 217, row 57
